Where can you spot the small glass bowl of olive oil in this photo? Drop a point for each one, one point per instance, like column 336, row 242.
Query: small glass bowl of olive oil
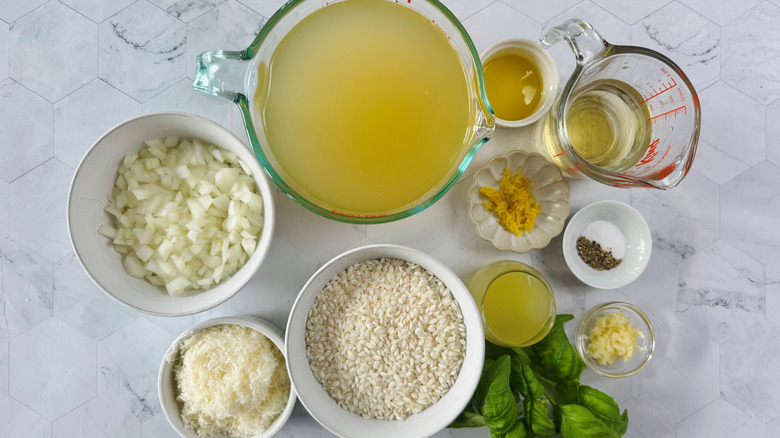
column 521, row 81
column 516, row 302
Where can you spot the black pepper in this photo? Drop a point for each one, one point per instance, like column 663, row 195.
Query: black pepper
column 595, row 256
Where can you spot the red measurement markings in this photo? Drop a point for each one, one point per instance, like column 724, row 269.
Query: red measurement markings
column 559, row 154
column 664, row 87
column 672, row 113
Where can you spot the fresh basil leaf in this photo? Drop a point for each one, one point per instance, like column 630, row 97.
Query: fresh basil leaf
column 540, row 422
column 522, row 379
column 604, row 408
column 499, row 405
column 517, row 431
column 468, row 419
column 579, row 422
column 494, row 351
column 479, row 394
column 553, row 357
column 566, row 393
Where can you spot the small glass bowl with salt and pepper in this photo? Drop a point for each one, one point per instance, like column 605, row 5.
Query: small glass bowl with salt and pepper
column 607, row 244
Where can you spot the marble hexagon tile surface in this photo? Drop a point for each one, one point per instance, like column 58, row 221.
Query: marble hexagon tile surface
column 74, row 363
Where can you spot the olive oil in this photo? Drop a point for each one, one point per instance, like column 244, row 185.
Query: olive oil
column 513, row 85
column 608, row 124
column 518, row 307
column 366, row 106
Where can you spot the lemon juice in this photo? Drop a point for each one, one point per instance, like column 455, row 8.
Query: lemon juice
column 518, row 307
column 365, row 106
column 513, row 85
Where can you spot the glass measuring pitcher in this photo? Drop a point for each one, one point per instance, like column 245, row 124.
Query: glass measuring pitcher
column 628, row 116
column 247, row 78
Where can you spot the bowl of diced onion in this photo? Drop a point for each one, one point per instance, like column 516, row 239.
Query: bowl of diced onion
column 170, row 214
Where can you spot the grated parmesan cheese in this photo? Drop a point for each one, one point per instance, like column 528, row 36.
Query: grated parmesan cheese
column 611, row 337
column 231, row 380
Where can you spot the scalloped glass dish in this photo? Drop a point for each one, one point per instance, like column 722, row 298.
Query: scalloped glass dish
column 549, row 188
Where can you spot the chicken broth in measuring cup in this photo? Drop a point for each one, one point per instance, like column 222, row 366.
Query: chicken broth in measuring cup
column 365, row 106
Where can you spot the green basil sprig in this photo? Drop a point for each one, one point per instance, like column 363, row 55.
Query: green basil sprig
column 519, row 387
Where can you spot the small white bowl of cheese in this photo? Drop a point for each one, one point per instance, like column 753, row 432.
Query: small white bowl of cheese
column 202, row 392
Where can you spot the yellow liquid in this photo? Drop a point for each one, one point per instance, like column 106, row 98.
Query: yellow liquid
column 516, row 307
column 608, row 124
column 513, row 85
column 366, row 107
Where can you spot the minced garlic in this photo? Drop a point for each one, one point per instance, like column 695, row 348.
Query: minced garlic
column 513, row 202
column 612, row 337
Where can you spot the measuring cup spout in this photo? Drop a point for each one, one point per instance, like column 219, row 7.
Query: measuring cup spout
column 219, row 73
column 581, row 37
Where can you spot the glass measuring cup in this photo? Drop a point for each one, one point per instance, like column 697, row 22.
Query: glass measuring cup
column 640, row 95
column 234, row 76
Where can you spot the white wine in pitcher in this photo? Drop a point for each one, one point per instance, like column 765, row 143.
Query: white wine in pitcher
column 608, row 124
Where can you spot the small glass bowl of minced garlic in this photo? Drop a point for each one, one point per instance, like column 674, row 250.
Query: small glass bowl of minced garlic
column 615, row 339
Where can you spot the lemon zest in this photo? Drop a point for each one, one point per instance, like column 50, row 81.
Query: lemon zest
column 513, row 203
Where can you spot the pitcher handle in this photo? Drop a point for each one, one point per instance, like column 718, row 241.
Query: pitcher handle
column 220, row 73
column 581, row 37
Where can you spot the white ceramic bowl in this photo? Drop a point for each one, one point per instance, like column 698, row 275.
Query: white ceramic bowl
column 166, row 383
column 92, row 184
column 347, row 424
column 549, row 188
column 547, row 70
column 639, row 244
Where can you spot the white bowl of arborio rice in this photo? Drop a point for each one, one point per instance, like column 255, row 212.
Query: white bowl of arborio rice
column 170, row 214
column 384, row 341
column 226, row 377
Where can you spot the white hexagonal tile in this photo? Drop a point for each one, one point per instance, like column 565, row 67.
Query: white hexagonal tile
column 25, row 283
column 230, row 26
column 773, row 292
column 97, row 10
column 19, row 420
column 301, row 424
column 719, row 419
column 266, row 8
column 187, row 10
column 11, row 10
column 81, row 118
column 748, row 368
column 720, row 11
column 38, row 201
column 682, row 220
column 721, row 275
column 773, row 133
column 52, row 368
column 631, row 12
column 732, row 133
column 690, row 40
column 83, row 305
column 301, row 228
column 748, row 214
column 182, row 97
column 142, row 38
column 644, row 420
column 773, row 428
column 128, row 362
column 5, row 209
column 687, row 364
column 498, row 21
column 541, row 11
column 97, row 418
column 750, row 59
column 70, row 43
column 463, row 9
column 157, row 427
column 25, row 119
column 4, row 364
column 4, row 49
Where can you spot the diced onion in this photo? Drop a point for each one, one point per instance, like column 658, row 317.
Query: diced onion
column 187, row 214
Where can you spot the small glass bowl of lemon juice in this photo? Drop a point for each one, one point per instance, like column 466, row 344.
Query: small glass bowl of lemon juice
column 516, row 302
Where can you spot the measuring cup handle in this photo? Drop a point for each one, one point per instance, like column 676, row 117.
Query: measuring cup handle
column 581, row 36
column 219, row 73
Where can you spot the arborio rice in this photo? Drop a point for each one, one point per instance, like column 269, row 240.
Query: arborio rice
column 385, row 338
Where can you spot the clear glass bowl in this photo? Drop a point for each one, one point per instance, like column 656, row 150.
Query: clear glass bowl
column 549, row 188
column 618, row 368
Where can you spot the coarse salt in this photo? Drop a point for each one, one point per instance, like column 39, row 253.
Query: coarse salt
column 608, row 236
